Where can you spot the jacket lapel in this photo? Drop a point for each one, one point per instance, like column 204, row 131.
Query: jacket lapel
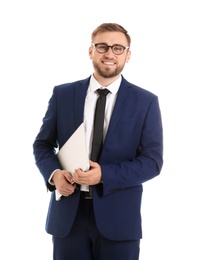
column 80, row 95
column 121, row 102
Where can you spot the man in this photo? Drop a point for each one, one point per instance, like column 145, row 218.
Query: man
column 107, row 224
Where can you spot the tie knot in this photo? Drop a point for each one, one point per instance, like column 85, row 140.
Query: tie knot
column 103, row 92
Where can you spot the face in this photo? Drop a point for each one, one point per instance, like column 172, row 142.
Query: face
column 109, row 65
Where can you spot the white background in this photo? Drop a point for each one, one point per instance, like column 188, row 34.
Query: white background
column 45, row 43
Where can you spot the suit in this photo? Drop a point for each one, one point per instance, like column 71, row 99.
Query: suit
column 131, row 155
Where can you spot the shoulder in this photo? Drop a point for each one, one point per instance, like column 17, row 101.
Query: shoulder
column 71, row 85
column 138, row 91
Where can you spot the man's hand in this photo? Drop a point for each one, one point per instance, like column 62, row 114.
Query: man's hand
column 64, row 182
column 91, row 177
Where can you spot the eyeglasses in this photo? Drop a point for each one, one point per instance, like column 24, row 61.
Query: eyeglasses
column 116, row 48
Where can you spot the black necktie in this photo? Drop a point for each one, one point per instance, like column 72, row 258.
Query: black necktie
column 98, row 125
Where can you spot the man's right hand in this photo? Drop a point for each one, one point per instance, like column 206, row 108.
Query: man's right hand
column 63, row 181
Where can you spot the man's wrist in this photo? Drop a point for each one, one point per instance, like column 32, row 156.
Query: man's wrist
column 50, row 180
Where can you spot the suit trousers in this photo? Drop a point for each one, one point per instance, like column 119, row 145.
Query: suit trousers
column 84, row 242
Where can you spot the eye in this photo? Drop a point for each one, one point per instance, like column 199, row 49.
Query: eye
column 118, row 48
column 102, row 47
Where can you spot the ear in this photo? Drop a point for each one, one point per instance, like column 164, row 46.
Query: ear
column 90, row 52
column 128, row 56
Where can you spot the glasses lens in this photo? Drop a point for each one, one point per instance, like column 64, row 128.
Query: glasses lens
column 118, row 49
column 101, row 48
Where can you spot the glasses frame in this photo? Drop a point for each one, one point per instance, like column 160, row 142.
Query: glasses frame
column 110, row 46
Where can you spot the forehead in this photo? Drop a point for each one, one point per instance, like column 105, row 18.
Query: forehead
column 110, row 38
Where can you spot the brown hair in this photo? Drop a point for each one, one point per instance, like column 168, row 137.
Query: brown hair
column 111, row 27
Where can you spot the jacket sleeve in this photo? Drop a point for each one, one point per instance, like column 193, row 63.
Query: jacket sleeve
column 45, row 144
column 139, row 155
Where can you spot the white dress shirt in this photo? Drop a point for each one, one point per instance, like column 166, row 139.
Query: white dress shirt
column 90, row 106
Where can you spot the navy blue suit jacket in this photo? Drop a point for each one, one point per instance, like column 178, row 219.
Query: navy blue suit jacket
column 131, row 155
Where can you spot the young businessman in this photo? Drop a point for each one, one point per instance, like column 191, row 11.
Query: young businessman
column 104, row 224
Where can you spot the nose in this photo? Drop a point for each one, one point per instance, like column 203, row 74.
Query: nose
column 109, row 52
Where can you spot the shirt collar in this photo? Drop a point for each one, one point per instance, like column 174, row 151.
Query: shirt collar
column 113, row 87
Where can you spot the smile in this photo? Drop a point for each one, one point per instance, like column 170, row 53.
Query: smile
column 108, row 63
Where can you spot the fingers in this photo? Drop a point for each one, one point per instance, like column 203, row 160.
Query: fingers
column 68, row 177
column 80, row 177
column 64, row 183
column 94, row 164
column 91, row 177
column 67, row 189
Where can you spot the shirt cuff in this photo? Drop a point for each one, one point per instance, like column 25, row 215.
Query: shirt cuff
column 50, row 178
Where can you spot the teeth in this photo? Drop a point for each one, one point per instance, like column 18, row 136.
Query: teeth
column 109, row 63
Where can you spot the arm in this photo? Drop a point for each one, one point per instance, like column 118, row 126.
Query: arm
column 147, row 161
column 45, row 144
